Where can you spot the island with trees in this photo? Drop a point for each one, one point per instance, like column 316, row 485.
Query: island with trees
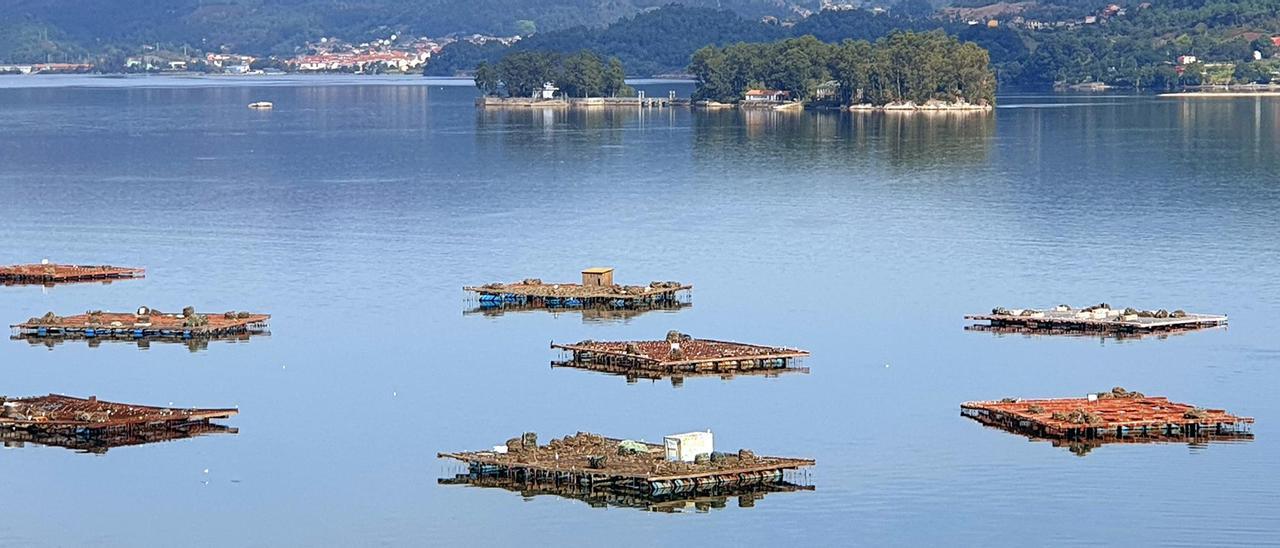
column 545, row 78
column 902, row 71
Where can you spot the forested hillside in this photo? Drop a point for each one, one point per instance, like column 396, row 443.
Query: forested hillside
column 1030, row 43
column 65, row 30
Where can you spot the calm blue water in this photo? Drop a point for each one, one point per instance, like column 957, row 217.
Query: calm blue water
column 356, row 210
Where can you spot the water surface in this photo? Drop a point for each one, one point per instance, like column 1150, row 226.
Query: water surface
column 356, row 210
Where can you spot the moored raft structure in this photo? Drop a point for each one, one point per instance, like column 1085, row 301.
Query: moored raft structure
column 678, row 353
column 596, row 290
column 145, row 323
column 94, row 426
column 1118, row 416
column 49, row 273
column 1097, row 319
column 684, row 463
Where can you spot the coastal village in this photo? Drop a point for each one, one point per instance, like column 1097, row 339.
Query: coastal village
column 392, row 54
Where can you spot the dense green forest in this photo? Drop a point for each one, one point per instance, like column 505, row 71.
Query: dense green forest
column 1139, row 48
column 581, row 74
column 74, row 30
column 1033, row 43
column 903, row 66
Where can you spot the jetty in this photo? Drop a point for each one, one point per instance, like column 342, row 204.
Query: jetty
column 1101, row 318
column 580, row 102
column 678, row 353
column 684, row 463
column 49, row 273
column 92, row 425
column 596, row 290
column 145, row 323
column 1117, row 416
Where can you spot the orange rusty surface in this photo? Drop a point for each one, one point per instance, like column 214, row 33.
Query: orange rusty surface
column 691, row 350
column 58, row 411
column 65, row 272
column 1113, row 412
column 156, row 320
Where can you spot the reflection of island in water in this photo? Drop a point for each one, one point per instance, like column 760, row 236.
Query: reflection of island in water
column 744, row 496
column 99, row 442
column 193, row 344
column 589, row 313
column 634, row 374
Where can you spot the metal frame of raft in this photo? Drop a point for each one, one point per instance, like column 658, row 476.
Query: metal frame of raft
column 589, row 313
column 631, row 372
column 698, row 356
column 578, row 296
column 1119, row 335
column 126, row 326
column 708, row 499
column 1072, row 320
column 1119, row 419
column 60, row 273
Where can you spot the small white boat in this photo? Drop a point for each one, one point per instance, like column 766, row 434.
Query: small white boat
column 261, row 105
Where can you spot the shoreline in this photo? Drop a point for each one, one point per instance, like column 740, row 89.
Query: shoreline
column 1215, row 94
column 663, row 102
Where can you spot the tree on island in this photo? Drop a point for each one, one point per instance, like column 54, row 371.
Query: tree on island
column 487, row 78
column 582, row 74
column 904, row 66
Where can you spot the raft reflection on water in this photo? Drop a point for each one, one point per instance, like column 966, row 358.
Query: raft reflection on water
column 99, row 442
column 602, row 497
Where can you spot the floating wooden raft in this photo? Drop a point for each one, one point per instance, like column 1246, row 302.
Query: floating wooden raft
column 593, row 460
column 66, row 413
column 57, row 273
column 1118, row 416
column 145, row 323
column 678, row 353
column 1100, row 318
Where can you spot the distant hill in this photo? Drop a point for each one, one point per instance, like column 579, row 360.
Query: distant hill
column 1032, row 43
column 33, row 30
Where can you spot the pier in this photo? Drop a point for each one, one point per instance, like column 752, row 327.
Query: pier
column 623, row 466
column 1118, row 416
column 145, row 323
column 581, row 102
column 64, row 273
column 1097, row 319
column 678, row 353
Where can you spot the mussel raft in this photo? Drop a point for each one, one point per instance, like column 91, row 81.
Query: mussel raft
column 1098, row 318
column 145, row 323
column 623, row 465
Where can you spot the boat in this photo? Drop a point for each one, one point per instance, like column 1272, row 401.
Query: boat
column 261, row 105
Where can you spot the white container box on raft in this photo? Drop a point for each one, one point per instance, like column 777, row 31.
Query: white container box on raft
column 686, row 447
